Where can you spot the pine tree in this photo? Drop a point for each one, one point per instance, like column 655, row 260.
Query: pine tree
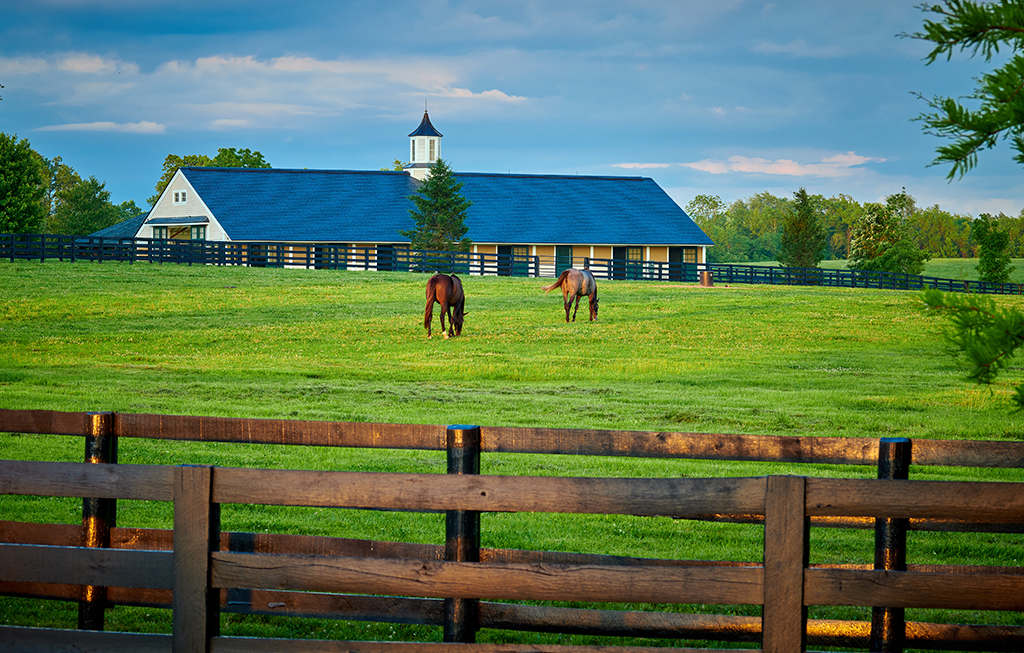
column 803, row 240
column 440, row 214
column 981, row 332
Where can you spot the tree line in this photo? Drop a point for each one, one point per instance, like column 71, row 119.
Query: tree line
column 752, row 229
column 41, row 195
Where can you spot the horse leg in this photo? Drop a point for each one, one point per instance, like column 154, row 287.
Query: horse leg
column 568, row 303
column 575, row 309
column 428, row 316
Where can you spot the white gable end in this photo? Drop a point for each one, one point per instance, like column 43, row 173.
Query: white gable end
column 178, row 202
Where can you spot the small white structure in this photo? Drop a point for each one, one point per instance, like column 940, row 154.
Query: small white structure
column 424, row 149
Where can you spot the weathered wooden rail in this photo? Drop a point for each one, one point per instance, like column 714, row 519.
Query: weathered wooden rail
column 453, row 585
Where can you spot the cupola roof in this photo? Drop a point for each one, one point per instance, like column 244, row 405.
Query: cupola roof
column 425, row 128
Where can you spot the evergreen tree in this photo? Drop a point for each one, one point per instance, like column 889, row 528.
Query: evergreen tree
column 986, row 335
column 803, row 240
column 22, row 187
column 980, row 28
column 993, row 259
column 440, row 214
column 981, row 332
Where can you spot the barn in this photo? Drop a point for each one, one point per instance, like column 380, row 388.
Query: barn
column 561, row 220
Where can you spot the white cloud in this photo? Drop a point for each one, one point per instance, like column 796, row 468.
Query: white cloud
column 144, row 127
column 839, row 165
column 640, row 166
column 85, row 63
column 800, row 48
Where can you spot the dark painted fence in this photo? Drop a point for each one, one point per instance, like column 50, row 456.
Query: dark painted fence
column 395, row 258
column 199, row 571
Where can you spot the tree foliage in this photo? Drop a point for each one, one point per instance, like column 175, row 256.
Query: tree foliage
column 882, row 239
column 803, row 240
column 985, row 335
column 83, row 207
column 980, row 29
column 993, row 260
column 22, row 187
column 440, row 214
column 227, row 157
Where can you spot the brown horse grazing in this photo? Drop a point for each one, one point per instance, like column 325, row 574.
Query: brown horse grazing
column 576, row 283
column 446, row 291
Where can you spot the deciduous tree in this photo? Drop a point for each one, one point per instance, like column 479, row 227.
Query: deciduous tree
column 83, row 208
column 993, row 259
column 881, row 240
column 22, row 187
column 226, row 158
column 440, row 214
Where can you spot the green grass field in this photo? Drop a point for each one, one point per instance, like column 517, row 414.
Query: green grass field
column 350, row 346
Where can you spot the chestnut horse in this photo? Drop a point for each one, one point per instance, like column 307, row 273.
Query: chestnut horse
column 576, row 283
column 446, row 291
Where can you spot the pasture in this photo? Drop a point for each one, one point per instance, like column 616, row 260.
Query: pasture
column 350, row 346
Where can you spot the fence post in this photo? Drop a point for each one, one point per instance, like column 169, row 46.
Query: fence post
column 888, row 626
column 98, row 516
column 462, row 533
column 786, row 554
column 196, row 605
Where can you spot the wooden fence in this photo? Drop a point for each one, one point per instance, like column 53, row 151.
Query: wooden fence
column 199, row 571
column 333, row 256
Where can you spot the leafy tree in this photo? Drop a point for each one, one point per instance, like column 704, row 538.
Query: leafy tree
column 440, row 213
column 226, row 158
column 993, row 260
column 980, row 28
column 83, row 208
column 22, row 187
column 704, row 210
column 985, row 335
column 127, row 210
column 397, row 166
column 881, row 240
column 839, row 214
column 803, row 240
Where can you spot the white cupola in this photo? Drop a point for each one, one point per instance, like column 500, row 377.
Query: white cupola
column 424, row 149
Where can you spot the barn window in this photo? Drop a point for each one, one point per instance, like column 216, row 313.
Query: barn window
column 179, row 196
column 159, row 232
column 198, row 233
column 432, row 142
column 413, row 159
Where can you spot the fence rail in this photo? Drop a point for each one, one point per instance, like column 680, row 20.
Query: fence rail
column 332, row 256
column 455, row 585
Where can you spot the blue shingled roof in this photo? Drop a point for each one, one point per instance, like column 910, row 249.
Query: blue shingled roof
column 373, row 206
column 124, row 229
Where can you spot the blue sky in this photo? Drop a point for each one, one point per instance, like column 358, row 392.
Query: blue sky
column 727, row 98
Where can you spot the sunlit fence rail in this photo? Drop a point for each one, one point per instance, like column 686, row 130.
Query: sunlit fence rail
column 332, row 256
column 199, row 571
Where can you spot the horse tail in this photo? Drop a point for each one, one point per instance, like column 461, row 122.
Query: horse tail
column 428, row 313
column 558, row 282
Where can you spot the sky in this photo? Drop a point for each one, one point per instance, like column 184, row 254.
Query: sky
column 728, row 98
